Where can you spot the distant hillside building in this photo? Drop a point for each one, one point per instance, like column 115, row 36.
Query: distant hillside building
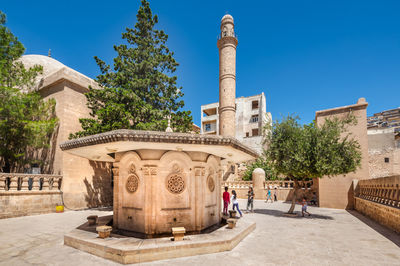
column 385, row 119
column 251, row 117
column 384, row 143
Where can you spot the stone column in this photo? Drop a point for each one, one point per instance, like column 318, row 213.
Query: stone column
column 227, row 77
column 116, row 206
column 258, row 177
column 199, row 173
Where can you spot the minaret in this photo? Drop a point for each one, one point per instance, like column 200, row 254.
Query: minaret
column 227, row 77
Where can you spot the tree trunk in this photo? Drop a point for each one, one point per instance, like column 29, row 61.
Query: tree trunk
column 295, row 188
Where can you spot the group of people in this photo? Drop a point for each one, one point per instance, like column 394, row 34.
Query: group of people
column 228, row 199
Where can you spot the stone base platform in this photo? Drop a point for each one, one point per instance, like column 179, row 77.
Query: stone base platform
column 127, row 250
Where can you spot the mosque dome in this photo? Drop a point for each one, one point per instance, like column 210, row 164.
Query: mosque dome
column 50, row 65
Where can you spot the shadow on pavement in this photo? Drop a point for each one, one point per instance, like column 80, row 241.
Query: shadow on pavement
column 384, row 231
column 279, row 213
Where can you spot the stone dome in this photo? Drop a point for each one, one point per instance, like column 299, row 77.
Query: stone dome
column 50, row 65
column 227, row 17
column 259, row 171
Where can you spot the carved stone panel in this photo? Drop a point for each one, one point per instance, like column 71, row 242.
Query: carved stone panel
column 210, row 180
column 132, row 182
column 175, row 181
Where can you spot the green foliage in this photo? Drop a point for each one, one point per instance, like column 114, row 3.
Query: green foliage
column 139, row 93
column 26, row 121
column 263, row 163
column 310, row 151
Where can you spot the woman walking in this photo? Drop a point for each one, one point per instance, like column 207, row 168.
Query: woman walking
column 235, row 202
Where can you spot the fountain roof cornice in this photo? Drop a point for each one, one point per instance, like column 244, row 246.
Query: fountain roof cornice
column 125, row 139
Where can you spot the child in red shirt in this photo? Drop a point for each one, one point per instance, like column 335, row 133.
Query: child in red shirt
column 227, row 200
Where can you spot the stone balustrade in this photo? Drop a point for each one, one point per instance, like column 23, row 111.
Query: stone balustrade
column 284, row 189
column 267, row 184
column 379, row 199
column 287, row 184
column 28, row 194
column 384, row 190
column 237, row 184
column 29, row 182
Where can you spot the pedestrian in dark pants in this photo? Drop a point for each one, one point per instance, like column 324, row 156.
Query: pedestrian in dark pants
column 275, row 194
column 250, row 197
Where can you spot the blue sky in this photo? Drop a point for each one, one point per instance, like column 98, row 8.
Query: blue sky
column 304, row 55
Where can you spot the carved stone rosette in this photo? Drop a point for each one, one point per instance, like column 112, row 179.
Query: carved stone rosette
column 210, row 180
column 175, row 181
column 132, row 182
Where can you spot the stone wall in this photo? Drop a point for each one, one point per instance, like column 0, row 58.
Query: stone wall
column 86, row 183
column 337, row 192
column 24, row 194
column 385, row 215
column 379, row 199
column 384, row 153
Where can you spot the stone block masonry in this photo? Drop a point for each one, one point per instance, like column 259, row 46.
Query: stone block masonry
column 379, row 199
column 25, row 194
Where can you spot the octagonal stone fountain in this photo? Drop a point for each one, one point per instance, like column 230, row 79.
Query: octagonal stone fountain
column 163, row 180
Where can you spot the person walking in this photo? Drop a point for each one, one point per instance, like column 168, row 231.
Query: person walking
column 269, row 197
column 304, row 207
column 275, row 194
column 226, row 199
column 235, row 202
column 250, row 197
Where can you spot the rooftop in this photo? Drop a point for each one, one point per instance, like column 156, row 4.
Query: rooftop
column 99, row 147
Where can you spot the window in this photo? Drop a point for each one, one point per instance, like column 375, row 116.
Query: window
column 208, row 127
column 254, row 132
column 386, row 159
column 247, row 134
column 254, row 105
column 254, row 118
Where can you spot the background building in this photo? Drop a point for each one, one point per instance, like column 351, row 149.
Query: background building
column 384, row 143
column 385, row 119
column 85, row 183
column 251, row 117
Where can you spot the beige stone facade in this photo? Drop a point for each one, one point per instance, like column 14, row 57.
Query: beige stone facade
column 85, row 183
column 384, row 152
column 337, row 192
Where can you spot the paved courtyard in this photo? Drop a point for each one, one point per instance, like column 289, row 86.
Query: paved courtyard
column 328, row 237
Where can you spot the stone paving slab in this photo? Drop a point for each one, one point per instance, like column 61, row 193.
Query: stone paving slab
column 328, row 237
column 134, row 250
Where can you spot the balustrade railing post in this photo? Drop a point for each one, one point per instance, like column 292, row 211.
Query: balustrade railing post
column 35, row 183
column 25, row 184
column 45, row 185
column 2, row 182
column 13, row 183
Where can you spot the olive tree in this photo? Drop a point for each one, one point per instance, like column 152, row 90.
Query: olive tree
column 308, row 151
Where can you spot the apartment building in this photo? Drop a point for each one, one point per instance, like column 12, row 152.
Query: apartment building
column 251, row 117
